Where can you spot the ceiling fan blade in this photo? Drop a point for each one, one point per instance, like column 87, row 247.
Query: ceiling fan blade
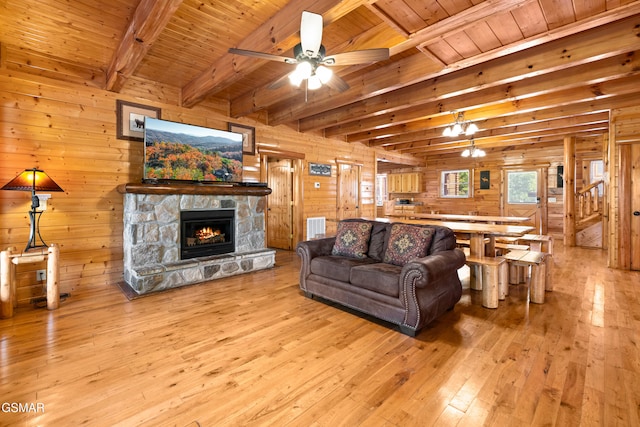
column 279, row 83
column 357, row 57
column 337, row 83
column 311, row 33
column 261, row 55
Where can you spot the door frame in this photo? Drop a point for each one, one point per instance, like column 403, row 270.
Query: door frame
column 542, row 190
column 297, row 160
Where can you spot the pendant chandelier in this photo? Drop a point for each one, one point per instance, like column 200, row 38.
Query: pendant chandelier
column 460, row 126
column 473, row 151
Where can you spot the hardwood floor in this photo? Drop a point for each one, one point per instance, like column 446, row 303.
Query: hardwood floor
column 251, row 350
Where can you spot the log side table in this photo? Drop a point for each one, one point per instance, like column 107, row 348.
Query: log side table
column 8, row 261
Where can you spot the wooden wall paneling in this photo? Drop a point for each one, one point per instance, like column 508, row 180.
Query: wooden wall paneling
column 607, row 189
column 624, row 206
column 624, row 130
column 569, row 191
column 634, row 208
column 69, row 130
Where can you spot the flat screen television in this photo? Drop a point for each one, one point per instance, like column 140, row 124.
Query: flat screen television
column 181, row 152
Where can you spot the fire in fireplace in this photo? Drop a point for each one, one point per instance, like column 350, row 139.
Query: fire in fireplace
column 206, row 232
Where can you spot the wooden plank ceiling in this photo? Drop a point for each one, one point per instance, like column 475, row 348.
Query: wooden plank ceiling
column 525, row 71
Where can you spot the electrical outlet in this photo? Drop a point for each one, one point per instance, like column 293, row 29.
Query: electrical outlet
column 41, row 275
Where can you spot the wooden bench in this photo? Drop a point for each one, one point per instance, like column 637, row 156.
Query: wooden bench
column 538, row 242
column 489, row 274
column 510, row 247
column 540, row 264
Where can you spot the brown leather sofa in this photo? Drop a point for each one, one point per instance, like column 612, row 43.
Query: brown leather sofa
column 404, row 274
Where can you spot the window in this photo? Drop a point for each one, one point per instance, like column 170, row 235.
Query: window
column 454, row 183
column 381, row 189
column 596, row 173
column 523, row 187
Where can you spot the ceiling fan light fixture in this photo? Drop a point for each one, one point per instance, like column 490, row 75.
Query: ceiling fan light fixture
column 324, row 74
column 295, row 79
column 314, row 82
column 304, row 70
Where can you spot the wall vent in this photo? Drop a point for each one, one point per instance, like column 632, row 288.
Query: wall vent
column 315, row 227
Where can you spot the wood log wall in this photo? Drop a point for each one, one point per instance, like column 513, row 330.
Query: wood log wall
column 489, row 201
column 624, row 238
column 68, row 129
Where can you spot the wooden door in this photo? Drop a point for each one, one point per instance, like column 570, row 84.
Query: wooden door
column 634, row 197
column 524, row 193
column 279, row 204
column 348, row 191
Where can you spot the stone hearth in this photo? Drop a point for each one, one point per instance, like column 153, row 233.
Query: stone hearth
column 151, row 240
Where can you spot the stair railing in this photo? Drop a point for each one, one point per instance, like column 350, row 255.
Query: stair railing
column 589, row 203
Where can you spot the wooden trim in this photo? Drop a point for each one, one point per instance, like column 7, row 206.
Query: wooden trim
column 569, row 196
column 200, row 189
column 280, row 153
column 349, row 162
column 624, row 207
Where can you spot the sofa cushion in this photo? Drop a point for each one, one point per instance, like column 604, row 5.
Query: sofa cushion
column 407, row 242
column 377, row 243
column 336, row 267
column 380, row 278
column 352, row 239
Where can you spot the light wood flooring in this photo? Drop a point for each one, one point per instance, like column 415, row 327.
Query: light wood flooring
column 251, row 350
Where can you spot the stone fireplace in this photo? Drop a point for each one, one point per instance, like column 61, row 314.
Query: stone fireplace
column 154, row 240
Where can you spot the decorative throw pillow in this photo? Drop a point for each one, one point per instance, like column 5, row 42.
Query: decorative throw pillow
column 407, row 242
column 352, row 239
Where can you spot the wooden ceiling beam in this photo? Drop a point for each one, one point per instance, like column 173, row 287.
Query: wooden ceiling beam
column 597, row 44
column 502, row 141
column 148, row 22
column 397, row 75
column 516, row 132
column 410, row 72
column 497, row 127
column 475, row 115
column 268, row 38
column 263, row 97
column 579, row 83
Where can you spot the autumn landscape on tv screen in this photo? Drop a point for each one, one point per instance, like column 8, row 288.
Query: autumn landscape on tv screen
column 175, row 151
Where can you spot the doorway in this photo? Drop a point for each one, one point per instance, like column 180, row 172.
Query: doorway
column 525, row 195
column 282, row 171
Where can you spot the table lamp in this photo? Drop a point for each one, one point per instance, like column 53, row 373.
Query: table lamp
column 33, row 180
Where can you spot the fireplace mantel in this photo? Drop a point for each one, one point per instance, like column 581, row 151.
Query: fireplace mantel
column 205, row 189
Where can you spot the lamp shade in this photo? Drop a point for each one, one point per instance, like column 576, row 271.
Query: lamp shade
column 32, row 180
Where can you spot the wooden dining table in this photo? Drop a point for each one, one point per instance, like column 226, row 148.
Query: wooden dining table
column 478, row 232
column 489, row 219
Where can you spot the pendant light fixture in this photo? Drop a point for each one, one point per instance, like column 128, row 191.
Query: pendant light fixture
column 460, row 126
column 473, row 151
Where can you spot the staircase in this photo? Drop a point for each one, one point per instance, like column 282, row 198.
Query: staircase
column 589, row 211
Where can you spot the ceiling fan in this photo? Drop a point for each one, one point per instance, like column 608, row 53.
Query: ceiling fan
column 311, row 60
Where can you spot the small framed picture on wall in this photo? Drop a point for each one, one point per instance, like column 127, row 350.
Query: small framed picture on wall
column 248, row 137
column 130, row 119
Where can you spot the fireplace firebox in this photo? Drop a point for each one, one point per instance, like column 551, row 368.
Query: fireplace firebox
column 206, row 233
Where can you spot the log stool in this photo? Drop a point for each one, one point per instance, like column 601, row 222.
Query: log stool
column 489, row 274
column 8, row 261
column 540, row 276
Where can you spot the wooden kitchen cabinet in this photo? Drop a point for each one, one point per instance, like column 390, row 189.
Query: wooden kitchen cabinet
column 405, row 182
